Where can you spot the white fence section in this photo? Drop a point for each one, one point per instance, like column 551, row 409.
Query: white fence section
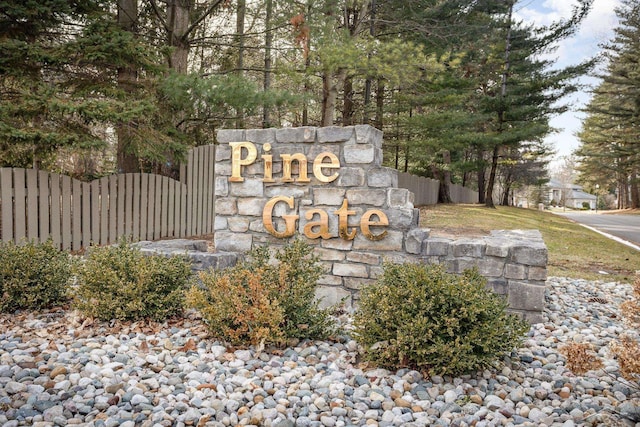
column 426, row 190
column 460, row 194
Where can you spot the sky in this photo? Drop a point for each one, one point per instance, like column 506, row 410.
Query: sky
column 596, row 29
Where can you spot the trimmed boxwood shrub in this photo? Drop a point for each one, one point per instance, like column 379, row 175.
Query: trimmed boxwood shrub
column 33, row 276
column 119, row 282
column 421, row 317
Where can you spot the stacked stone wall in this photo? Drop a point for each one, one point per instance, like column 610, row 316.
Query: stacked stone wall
column 514, row 262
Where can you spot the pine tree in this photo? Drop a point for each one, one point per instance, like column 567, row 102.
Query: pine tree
column 57, row 79
column 610, row 136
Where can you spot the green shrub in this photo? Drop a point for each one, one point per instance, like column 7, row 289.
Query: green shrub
column 33, row 276
column 119, row 282
column 419, row 316
column 260, row 302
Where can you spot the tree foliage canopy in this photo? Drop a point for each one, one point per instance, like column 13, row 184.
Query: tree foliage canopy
column 609, row 155
column 462, row 90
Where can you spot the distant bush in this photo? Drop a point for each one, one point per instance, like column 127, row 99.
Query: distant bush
column 581, row 358
column 420, row 317
column 119, row 282
column 586, row 205
column 259, row 302
column 33, row 276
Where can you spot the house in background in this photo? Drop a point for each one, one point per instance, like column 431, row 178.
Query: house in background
column 571, row 194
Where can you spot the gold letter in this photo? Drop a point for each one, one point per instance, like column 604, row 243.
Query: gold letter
column 268, row 163
column 302, row 167
column 289, row 220
column 343, row 215
column 365, row 223
column 323, row 231
column 318, row 165
column 237, row 161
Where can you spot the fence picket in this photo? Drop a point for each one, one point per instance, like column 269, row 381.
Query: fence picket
column 95, row 211
column 204, row 208
column 190, row 193
column 151, row 206
column 76, row 208
column 104, row 210
column 144, row 207
column 165, row 206
column 211, row 179
column 183, row 212
column 6, row 197
column 121, row 196
column 43, row 205
column 55, row 209
column 85, row 215
column 136, row 208
column 171, row 225
column 65, row 216
column 128, row 205
column 199, row 192
column 32, row 204
column 157, row 220
column 20, row 214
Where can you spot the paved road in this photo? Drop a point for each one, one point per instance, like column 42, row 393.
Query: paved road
column 626, row 227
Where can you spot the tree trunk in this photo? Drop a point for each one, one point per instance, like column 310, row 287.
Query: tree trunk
column 620, row 186
column 633, row 189
column 492, row 178
column 347, row 106
column 503, row 93
column 505, row 195
column 330, row 95
column 240, row 14
column 367, row 101
column 178, row 20
column 380, row 104
column 444, row 176
column 307, row 89
column 406, row 158
column 268, row 41
column 127, row 160
column 481, row 177
column 397, row 153
column 368, row 81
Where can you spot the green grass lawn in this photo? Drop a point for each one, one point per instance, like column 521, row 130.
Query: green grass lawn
column 574, row 251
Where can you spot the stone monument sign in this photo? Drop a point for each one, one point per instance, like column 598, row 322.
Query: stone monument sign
column 328, row 185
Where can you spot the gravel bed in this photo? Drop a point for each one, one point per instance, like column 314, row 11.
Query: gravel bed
column 59, row 369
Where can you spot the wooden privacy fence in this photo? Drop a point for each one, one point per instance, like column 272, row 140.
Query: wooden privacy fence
column 37, row 205
column 426, row 190
column 460, row 194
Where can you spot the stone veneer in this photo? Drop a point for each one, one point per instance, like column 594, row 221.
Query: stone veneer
column 514, row 262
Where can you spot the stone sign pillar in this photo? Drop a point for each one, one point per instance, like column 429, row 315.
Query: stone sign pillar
column 328, row 186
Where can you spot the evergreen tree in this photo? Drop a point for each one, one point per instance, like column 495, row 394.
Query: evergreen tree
column 495, row 96
column 60, row 87
column 610, row 136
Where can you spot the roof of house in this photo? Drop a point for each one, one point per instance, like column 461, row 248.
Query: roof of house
column 582, row 195
column 554, row 183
